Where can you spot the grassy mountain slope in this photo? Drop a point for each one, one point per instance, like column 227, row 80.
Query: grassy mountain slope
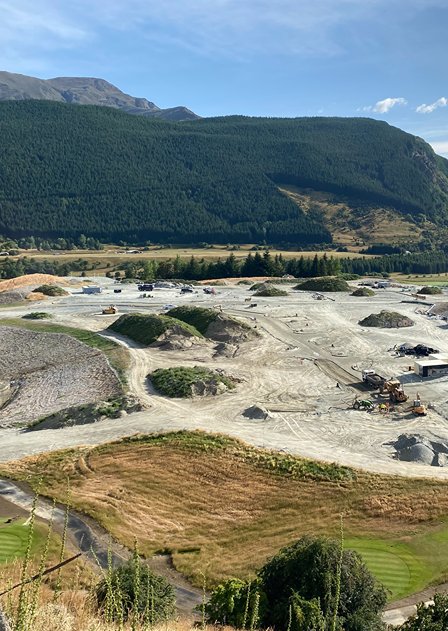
column 66, row 170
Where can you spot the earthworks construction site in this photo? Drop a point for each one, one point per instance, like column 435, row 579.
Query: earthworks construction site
column 302, row 366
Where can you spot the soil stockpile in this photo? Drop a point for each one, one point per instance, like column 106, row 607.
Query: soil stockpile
column 11, row 297
column 363, row 292
column 256, row 412
column 387, row 320
column 31, row 280
column 190, row 382
column 269, row 291
column 417, row 448
column 430, row 291
column 50, row 372
column 151, row 328
column 213, row 324
column 325, row 283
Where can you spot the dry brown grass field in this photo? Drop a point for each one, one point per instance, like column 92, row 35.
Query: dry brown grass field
column 222, row 508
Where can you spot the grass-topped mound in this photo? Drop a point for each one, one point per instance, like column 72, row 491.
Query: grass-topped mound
column 269, row 291
column 325, row 283
column 234, row 506
column 146, row 329
column 37, row 315
column 213, row 324
column 387, row 320
column 198, row 317
column 430, row 290
column 50, row 290
column 190, row 382
column 363, row 292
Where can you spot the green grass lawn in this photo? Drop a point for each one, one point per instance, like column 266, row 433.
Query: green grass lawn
column 13, row 540
column 116, row 354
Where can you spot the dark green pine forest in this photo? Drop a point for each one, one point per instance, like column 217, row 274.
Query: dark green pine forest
column 67, row 170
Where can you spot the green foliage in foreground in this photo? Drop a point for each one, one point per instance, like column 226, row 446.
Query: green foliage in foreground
column 37, row 315
column 146, row 329
column 327, row 283
column 51, row 290
column 179, row 381
column 133, row 590
column 432, row 617
column 311, row 585
column 198, row 317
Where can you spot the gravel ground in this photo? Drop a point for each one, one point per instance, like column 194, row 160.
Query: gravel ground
column 50, row 372
column 304, row 369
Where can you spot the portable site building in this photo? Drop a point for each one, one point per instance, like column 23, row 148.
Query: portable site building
column 92, row 289
column 433, row 366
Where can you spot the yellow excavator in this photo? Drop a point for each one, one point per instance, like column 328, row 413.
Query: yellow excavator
column 417, row 407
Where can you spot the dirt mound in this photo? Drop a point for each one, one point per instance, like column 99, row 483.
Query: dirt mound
column 363, row 291
column 185, row 382
column 256, row 412
column 387, row 320
column 177, row 338
column 226, row 350
column 31, row 279
column 36, row 295
column 229, row 330
column 430, row 291
column 324, row 283
column 269, row 291
column 11, row 297
column 418, row 448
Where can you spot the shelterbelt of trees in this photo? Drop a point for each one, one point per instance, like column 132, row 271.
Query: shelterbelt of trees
column 433, row 262
column 67, row 170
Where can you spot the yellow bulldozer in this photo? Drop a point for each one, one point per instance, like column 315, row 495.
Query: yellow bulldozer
column 110, row 310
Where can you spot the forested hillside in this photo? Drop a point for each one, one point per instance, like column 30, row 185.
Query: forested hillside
column 67, row 170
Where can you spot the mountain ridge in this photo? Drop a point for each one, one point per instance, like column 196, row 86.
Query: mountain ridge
column 66, row 171
column 84, row 91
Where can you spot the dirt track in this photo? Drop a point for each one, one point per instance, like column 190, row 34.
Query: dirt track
column 306, row 349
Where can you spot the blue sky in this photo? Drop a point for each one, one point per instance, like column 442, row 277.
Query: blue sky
column 382, row 58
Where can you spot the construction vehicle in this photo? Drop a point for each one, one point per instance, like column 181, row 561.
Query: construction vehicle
column 417, row 407
column 391, row 386
column 363, row 404
column 395, row 390
column 111, row 310
column 371, row 378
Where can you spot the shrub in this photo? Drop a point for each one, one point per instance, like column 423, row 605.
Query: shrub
column 181, row 381
column 308, row 570
column 134, row 589
column 51, row 290
column 37, row 315
column 234, row 602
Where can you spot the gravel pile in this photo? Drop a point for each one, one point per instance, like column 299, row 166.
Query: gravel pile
column 419, row 449
column 387, row 320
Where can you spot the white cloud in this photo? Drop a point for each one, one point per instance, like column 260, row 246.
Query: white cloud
column 427, row 109
column 384, row 106
column 441, row 147
column 209, row 27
